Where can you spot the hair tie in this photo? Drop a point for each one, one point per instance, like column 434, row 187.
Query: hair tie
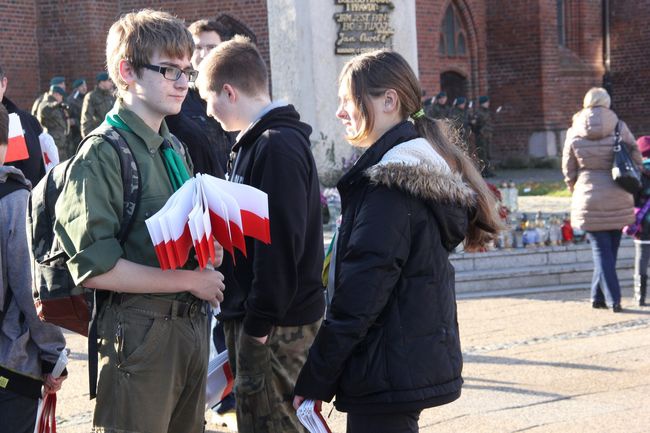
column 418, row 114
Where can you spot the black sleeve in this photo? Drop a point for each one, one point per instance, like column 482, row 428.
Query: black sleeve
column 378, row 247
column 198, row 144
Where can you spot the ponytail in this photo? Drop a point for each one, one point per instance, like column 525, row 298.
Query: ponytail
column 485, row 223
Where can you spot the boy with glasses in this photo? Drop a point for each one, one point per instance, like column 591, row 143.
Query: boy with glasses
column 154, row 327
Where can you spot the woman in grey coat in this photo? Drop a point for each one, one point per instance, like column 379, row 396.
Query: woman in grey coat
column 598, row 205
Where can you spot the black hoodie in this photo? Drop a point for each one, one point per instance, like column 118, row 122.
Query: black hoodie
column 32, row 167
column 279, row 284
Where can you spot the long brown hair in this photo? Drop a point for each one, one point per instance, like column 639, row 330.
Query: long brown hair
column 368, row 76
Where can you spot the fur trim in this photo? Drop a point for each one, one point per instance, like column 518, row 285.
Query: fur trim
column 425, row 181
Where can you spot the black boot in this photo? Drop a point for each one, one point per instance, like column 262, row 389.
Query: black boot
column 640, row 288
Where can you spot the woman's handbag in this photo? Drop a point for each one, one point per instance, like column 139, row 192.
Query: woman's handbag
column 624, row 172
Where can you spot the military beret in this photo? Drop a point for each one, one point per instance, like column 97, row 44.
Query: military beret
column 102, row 76
column 441, row 95
column 78, row 82
column 483, row 99
column 57, row 89
column 460, row 100
column 57, row 80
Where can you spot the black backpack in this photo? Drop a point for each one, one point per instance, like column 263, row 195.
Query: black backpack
column 57, row 298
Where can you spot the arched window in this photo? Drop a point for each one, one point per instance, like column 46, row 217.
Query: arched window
column 452, row 36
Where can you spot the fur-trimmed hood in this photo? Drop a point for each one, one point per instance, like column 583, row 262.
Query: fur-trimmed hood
column 417, row 169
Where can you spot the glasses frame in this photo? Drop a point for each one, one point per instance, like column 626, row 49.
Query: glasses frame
column 191, row 74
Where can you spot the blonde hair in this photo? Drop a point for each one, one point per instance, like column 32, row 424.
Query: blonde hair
column 236, row 62
column 136, row 36
column 368, row 76
column 597, row 97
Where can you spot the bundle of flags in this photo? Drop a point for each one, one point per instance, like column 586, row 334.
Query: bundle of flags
column 46, row 412
column 309, row 416
column 205, row 209
column 17, row 145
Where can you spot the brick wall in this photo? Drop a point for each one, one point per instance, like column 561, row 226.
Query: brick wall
column 19, row 50
column 539, row 84
column 513, row 53
column 429, row 17
column 68, row 37
column 72, row 39
column 630, row 45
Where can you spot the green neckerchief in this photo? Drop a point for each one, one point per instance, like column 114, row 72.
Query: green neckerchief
column 176, row 170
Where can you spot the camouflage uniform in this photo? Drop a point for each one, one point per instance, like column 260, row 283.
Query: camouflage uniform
column 437, row 111
column 265, row 375
column 75, row 102
column 37, row 103
column 54, row 119
column 483, row 128
column 96, row 104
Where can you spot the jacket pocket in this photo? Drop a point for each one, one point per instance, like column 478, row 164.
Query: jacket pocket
column 365, row 372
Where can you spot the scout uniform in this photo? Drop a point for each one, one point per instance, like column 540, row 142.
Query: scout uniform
column 153, row 347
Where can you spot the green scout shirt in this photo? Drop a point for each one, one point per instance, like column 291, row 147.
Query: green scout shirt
column 89, row 210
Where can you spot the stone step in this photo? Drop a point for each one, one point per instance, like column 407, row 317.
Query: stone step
column 538, row 256
column 543, row 269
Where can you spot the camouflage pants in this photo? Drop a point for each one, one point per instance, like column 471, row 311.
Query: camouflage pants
column 265, row 375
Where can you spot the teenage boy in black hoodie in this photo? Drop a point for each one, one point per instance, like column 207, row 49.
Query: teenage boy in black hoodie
column 274, row 302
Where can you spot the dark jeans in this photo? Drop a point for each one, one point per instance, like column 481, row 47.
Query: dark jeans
column 604, row 284
column 405, row 422
column 17, row 413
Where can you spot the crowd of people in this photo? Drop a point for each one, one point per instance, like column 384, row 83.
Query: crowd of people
column 384, row 341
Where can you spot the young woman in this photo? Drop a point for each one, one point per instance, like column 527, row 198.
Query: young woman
column 389, row 346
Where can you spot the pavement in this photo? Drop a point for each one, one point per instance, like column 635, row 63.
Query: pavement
column 534, row 363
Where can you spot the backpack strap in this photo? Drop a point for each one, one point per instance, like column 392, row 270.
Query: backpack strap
column 132, row 186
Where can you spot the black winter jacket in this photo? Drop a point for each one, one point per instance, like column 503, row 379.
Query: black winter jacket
column 33, row 167
column 390, row 340
column 279, row 284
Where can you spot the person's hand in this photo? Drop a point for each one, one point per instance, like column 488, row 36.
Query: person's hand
column 207, row 285
column 299, row 399
column 52, row 385
column 218, row 254
column 261, row 340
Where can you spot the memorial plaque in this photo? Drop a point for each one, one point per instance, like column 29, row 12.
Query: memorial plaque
column 364, row 25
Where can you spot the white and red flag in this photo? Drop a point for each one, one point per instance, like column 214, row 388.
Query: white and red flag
column 203, row 210
column 16, row 146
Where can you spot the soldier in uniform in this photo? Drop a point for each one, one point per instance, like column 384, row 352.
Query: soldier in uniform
column 438, row 109
column 75, row 102
column 53, row 115
column 97, row 103
column 459, row 117
column 55, row 81
column 483, row 127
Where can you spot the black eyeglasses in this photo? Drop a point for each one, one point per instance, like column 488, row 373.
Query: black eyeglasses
column 173, row 73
